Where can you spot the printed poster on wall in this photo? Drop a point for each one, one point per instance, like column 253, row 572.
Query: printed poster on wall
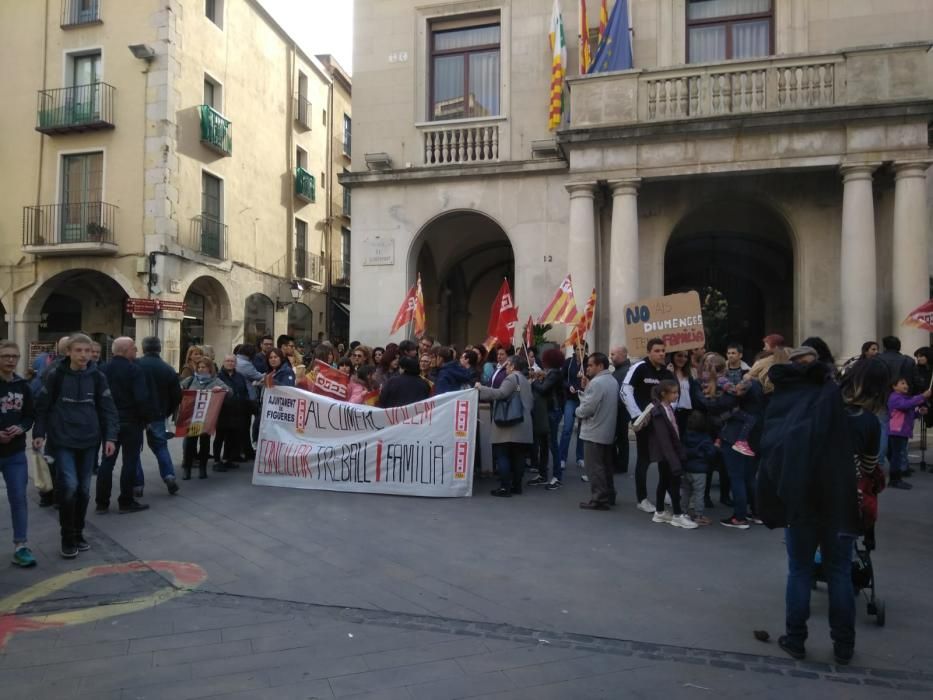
column 676, row 318
column 309, row 441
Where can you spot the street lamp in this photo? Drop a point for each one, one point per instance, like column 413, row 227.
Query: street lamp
column 295, row 289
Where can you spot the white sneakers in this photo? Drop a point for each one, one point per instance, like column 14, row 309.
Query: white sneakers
column 646, row 506
column 683, row 521
column 662, row 517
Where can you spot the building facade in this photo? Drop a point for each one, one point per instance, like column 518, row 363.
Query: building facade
column 173, row 150
column 774, row 152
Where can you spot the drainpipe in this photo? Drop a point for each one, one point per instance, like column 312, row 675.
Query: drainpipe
column 329, row 211
column 290, row 160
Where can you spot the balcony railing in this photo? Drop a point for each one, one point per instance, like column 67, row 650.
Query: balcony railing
column 774, row 84
column 216, row 132
column 208, row 236
column 303, row 111
column 74, row 109
column 304, row 185
column 340, row 273
column 62, row 229
column 308, row 266
column 78, row 12
column 472, row 141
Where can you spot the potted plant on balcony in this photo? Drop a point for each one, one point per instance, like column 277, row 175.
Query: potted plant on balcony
column 96, row 231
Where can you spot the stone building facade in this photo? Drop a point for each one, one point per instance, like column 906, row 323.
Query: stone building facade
column 773, row 150
column 173, row 150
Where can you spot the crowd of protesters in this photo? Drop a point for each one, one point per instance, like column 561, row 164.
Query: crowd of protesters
column 794, row 440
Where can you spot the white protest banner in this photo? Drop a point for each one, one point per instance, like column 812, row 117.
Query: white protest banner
column 677, row 319
column 309, row 441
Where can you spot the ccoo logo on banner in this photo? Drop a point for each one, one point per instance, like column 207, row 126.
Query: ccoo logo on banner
column 310, row 441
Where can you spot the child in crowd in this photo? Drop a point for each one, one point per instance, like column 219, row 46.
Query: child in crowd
column 902, row 410
column 725, row 383
column 665, row 448
column 700, row 452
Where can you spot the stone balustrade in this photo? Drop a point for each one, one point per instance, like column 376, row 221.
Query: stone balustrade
column 774, row 84
column 459, row 142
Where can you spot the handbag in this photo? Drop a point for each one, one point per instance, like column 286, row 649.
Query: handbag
column 41, row 474
column 510, row 411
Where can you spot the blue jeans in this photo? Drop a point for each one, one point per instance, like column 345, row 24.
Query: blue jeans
column 741, row 479
column 553, row 423
column 509, row 458
column 897, row 456
column 15, row 474
column 74, row 468
column 570, row 406
column 883, row 448
column 836, row 551
column 155, row 438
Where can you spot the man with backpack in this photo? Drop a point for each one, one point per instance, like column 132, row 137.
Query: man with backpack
column 134, row 404
column 75, row 411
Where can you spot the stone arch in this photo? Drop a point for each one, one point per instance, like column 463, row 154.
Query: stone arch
column 258, row 317
column 462, row 256
column 208, row 317
column 744, row 247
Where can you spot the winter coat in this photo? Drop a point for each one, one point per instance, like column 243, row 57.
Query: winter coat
column 16, row 408
column 284, row 376
column 75, row 408
column 902, row 411
column 551, row 389
column 522, row 433
column 807, row 472
column 250, row 374
column 570, row 374
column 451, row 376
column 404, row 389
column 902, row 367
column 234, row 406
column 163, row 382
column 598, row 409
column 699, row 450
column 663, row 442
column 136, row 405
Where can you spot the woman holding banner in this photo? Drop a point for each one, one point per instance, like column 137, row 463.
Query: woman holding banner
column 203, row 379
column 512, row 432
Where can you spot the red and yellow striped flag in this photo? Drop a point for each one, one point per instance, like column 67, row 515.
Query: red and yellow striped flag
column 603, row 20
column 563, row 307
column 558, row 68
column 584, row 323
column 418, row 312
column 583, row 36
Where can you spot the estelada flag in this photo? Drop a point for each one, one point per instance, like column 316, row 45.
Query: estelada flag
column 921, row 317
column 529, row 333
column 418, row 313
column 198, row 412
column 503, row 317
column 584, row 323
column 330, row 382
column 563, row 307
column 406, row 311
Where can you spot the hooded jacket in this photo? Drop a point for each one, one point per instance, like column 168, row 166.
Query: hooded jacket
column 807, row 473
column 902, row 411
column 16, row 408
column 700, row 450
column 451, row 376
column 81, row 414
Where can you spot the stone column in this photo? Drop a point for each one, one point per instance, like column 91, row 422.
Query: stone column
column 169, row 330
column 623, row 255
column 857, row 267
column 581, row 241
column 911, row 274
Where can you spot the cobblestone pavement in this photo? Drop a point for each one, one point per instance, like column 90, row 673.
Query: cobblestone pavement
column 327, row 595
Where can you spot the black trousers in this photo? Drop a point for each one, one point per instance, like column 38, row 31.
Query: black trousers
column 130, row 442
column 642, row 460
column 620, row 453
column 196, row 447
column 227, row 445
column 668, row 483
column 717, row 464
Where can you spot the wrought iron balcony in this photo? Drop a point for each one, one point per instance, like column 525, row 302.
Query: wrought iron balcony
column 303, row 111
column 216, row 132
column 75, row 109
column 340, row 273
column 304, row 185
column 308, row 266
column 208, row 236
column 67, row 229
column 78, row 12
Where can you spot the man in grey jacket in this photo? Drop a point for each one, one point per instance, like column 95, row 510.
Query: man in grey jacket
column 597, row 412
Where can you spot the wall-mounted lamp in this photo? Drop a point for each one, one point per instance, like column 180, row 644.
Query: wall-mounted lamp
column 143, row 52
column 295, row 289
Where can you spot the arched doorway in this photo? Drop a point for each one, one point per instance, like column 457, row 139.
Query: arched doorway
column 258, row 318
column 4, row 324
column 743, row 253
column 207, row 317
column 300, row 318
column 462, row 257
column 80, row 300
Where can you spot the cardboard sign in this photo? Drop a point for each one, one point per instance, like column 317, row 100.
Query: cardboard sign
column 677, row 319
column 330, row 382
column 308, row 441
column 198, row 412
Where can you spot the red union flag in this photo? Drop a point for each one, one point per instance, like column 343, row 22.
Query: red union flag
column 330, row 382
column 406, row 311
column 198, row 412
column 921, row 317
column 529, row 333
column 503, row 316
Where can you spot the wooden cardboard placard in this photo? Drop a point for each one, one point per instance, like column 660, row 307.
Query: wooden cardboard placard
column 677, row 319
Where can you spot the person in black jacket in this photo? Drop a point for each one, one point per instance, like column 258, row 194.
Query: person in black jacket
column 75, row 409
column 135, row 408
column 636, row 390
column 548, row 387
column 406, row 387
column 227, row 443
column 16, row 418
column 452, row 375
column 166, row 396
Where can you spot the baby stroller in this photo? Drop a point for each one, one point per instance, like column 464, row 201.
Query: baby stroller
column 863, row 573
